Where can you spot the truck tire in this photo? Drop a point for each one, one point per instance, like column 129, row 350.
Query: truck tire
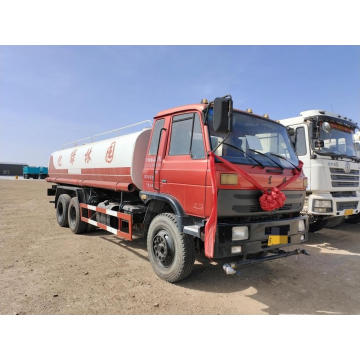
column 171, row 253
column 62, row 207
column 75, row 224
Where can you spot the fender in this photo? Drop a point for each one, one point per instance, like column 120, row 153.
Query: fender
column 173, row 202
column 71, row 190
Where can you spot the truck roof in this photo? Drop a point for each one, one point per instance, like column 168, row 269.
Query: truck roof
column 198, row 107
column 317, row 112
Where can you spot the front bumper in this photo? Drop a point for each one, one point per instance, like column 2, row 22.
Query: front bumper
column 258, row 237
column 341, row 206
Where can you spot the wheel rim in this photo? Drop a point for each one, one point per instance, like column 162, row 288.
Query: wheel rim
column 163, row 248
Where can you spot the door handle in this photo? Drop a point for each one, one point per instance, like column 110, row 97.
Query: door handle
column 164, row 181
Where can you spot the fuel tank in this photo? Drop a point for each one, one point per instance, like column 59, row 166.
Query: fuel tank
column 116, row 163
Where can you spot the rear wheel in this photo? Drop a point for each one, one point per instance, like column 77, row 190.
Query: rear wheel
column 171, row 253
column 75, row 224
column 62, row 210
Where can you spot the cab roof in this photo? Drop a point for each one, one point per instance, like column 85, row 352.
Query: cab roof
column 198, row 107
column 311, row 113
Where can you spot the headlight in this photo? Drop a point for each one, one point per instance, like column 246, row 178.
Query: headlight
column 228, row 179
column 322, row 206
column 301, row 226
column 323, row 203
column 240, row 233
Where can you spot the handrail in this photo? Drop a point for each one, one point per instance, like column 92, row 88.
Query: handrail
column 91, row 138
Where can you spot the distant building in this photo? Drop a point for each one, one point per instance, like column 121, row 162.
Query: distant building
column 7, row 169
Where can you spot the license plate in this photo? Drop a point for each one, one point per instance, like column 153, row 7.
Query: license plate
column 277, row 240
column 348, row 212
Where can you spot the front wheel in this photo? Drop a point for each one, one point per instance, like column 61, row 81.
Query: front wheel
column 171, row 253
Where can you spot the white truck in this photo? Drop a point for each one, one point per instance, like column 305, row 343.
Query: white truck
column 324, row 143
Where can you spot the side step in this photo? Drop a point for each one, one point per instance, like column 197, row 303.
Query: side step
column 193, row 230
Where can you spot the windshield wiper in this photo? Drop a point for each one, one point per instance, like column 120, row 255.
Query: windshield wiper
column 329, row 153
column 241, row 150
column 337, row 154
column 275, row 162
column 284, row 158
column 352, row 157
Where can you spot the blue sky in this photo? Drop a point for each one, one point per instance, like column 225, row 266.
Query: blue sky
column 50, row 95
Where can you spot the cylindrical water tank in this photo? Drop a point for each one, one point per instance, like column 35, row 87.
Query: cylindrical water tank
column 116, row 163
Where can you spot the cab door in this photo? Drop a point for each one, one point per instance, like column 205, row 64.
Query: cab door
column 183, row 169
column 302, row 149
column 153, row 159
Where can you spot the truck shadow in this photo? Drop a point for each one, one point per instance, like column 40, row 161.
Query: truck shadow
column 318, row 284
column 337, row 239
column 131, row 246
column 324, row 283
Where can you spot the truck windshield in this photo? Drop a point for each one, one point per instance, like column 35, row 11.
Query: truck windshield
column 253, row 140
column 337, row 142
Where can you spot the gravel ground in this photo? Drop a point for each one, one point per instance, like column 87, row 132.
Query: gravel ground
column 45, row 269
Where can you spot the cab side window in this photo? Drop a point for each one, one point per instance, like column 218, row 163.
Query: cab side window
column 300, row 141
column 197, row 150
column 186, row 136
column 155, row 136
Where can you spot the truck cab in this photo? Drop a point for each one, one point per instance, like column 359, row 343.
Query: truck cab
column 323, row 141
column 177, row 167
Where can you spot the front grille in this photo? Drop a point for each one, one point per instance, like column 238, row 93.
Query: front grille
column 343, row 193
column 341, row 179
column 246, row 203
column 342, row 171
column 344, row 177
column 342, row 205
column 345, row 183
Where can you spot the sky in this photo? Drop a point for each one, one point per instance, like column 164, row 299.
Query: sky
column 51, row 95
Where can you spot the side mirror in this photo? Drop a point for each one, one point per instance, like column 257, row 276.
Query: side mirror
column 319, row 143
column 290, row 131
column 223, row 112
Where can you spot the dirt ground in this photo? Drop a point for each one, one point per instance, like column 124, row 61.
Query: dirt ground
column 45, row 269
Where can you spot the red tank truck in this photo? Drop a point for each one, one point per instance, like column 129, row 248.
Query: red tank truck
column 206, row 178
